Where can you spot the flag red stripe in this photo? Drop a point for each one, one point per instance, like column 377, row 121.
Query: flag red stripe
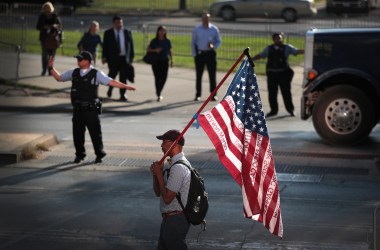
column 252, row 189
column 211, row 133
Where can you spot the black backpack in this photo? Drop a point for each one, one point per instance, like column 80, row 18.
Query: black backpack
column 197, row 200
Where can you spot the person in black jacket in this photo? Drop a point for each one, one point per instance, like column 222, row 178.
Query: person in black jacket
column 50, row 27
column 90, row 40
column 118, row 52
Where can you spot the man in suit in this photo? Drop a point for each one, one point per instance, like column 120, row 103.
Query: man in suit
column 118, row 53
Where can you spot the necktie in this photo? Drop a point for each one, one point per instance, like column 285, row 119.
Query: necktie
column 118, row 41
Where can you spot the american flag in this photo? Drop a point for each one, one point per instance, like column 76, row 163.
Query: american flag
column 237, row 128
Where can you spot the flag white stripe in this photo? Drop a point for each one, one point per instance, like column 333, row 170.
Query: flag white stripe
column 259, row 140
column 247, row 208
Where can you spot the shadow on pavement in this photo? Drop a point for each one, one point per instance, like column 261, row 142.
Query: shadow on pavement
column 40, row 173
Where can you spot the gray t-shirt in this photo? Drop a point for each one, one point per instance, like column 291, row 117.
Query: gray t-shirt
column 178, row 181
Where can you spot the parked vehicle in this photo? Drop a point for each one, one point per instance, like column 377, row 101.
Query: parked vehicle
column 65, row 6
column 347, row 6
column 289, row 10
column 341, row 86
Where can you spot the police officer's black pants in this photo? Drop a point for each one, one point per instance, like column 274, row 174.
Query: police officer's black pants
column 282, row 80
column 89, row 119
column 207, row 58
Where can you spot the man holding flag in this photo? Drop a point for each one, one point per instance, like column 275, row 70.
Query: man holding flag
column 237, row 128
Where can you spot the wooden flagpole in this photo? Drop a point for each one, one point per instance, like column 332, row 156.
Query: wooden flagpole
column 245, row 53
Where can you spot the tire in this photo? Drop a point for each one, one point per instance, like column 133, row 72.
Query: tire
column 289, row 15
column 343, row 115
column 228, row 14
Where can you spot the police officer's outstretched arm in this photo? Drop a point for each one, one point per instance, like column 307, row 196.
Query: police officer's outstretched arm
column 52, row 70
column 120, row 85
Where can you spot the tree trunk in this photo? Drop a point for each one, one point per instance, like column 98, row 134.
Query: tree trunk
column 182, row 4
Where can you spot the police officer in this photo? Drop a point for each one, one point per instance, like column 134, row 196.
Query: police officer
column 85, row 101
column 279, row 73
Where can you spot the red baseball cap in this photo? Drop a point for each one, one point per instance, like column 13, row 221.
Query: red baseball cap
column 172, row 135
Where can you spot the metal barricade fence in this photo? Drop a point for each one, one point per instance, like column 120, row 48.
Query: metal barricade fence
column 376, row 230
column 10, row 55
column 18, row 26
column 13, row 29
column 233, row 41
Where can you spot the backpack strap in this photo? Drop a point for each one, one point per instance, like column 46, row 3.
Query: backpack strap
column 178, row 195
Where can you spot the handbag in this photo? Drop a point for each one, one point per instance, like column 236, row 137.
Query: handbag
column 53, row 39
column 150, row 57
column 130, row 73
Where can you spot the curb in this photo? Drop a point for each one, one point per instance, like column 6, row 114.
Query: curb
column 16, row 155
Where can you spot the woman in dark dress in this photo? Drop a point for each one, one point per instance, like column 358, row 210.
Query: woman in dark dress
column 163, row 47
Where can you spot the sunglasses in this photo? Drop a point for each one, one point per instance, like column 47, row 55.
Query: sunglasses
column 166, row 141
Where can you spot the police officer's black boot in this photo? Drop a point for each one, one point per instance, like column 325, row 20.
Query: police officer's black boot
column 78, row 159
column 99, row 158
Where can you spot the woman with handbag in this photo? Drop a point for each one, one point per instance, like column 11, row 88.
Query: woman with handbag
column 162, row 46
column 50, row 27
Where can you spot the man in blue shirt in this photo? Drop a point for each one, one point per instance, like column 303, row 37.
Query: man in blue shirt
column 204, row 42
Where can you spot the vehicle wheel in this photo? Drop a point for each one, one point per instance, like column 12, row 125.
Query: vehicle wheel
column 228, row 14
column 289, row 15
column 343, row 115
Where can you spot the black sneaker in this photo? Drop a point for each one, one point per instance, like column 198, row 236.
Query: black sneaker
column 79, row 159
column 98, row 160
column 123, row 98
column 270, row 114
column 109, row 93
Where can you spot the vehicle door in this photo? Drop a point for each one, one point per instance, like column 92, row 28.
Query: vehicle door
column 249, row 8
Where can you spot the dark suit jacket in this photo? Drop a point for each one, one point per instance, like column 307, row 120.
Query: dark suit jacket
column 110, row 51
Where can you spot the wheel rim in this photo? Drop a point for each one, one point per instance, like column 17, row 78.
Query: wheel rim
column 343, row 116
column 227, row 14
column 289, row 15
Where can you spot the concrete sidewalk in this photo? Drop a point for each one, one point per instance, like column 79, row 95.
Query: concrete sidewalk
column 46, row 94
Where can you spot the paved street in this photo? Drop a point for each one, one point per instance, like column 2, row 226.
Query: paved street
column 328, row 194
